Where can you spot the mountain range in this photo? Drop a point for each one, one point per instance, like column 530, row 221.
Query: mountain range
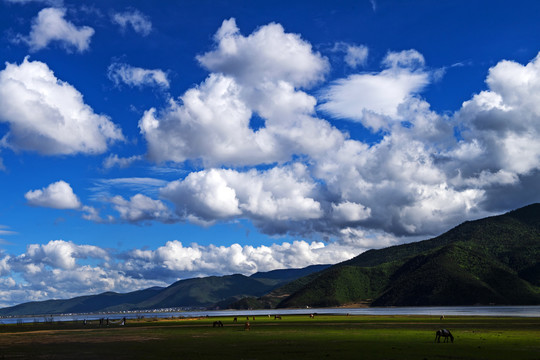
column 205, row 292
column 495, row 260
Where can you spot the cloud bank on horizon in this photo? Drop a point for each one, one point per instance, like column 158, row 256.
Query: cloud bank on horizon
column 258, row 139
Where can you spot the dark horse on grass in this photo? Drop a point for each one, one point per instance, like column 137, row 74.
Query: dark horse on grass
column 445, row 334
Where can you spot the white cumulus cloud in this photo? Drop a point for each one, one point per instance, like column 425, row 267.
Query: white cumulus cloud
column 502, row 123
column 418, row 179
column 264, row 56
column 175, row 258
column 58, row 195
column 279, row 195
column 62, row 254
column 257, row 75
column 48, row 115
column 50, row 26
column 370, row 98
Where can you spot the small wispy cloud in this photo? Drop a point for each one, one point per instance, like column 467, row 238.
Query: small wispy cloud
column 121, row 73
column 140, row 23
column 114, row 160
column 355, row 55
column 4, row 230
column 103, row 188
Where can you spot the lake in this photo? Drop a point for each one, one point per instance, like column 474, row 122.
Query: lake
column 521, row 311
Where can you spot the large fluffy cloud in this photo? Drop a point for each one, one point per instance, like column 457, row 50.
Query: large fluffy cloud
column 254, row 76
column 61, row 254
column 264, row 56
column 424, row 173
column 58, row 195
column 48, row 115
column 500, row 125
column 174, row 257
column 397, row 185
column 212, row 124
column 50, row 26
column 273, row 199
column 498, row 149
column 368, row 96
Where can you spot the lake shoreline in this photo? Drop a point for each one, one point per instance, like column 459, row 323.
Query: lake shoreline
column 491, row 310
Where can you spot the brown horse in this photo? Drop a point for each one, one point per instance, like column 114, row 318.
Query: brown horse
column 277, row 317
column 247, row 326
column 445, row 334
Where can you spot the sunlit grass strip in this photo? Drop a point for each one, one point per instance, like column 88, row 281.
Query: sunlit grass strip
column 292, row 337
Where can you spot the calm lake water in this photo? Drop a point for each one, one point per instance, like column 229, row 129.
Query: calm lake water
column 521, row 311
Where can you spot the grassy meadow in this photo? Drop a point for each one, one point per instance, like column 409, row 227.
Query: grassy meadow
column 292, row 337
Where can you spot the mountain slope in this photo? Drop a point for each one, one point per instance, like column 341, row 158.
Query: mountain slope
column 205, row 292
column 456, row 275
column 82, row 304
column 491, row 260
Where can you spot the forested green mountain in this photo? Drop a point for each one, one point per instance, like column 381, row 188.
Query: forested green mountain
column 492, row 260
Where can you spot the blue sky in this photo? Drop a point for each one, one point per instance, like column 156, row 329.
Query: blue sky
column 145, row 142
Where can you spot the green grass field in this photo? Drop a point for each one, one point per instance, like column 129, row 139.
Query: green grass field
column 293, row 337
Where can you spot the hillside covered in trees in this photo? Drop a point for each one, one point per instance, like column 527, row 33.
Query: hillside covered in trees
column 495, row 260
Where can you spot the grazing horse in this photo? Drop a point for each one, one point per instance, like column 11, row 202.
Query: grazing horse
column 311, row 316
column 235, row 319
column 445, row 334
column 218, row 324
column 277, row 317
column 247, row 326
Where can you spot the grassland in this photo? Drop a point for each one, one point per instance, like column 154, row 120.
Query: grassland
column 293, row 337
